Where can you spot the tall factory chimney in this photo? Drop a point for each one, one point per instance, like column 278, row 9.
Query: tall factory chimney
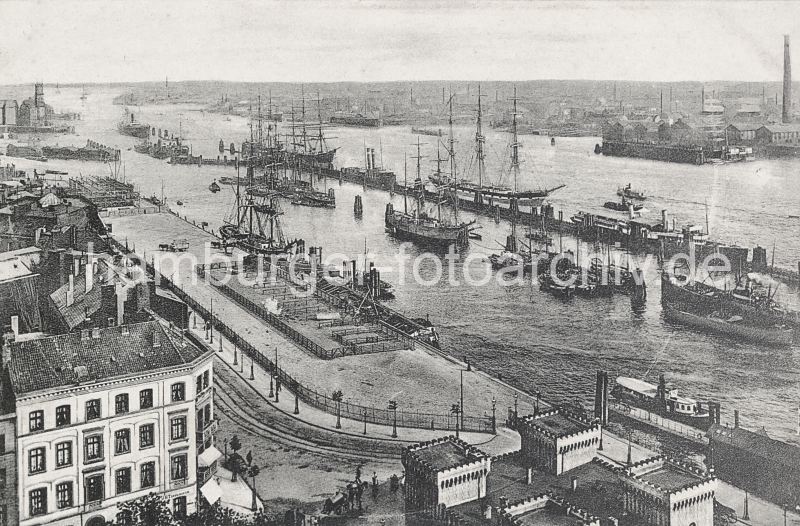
column 787, row 81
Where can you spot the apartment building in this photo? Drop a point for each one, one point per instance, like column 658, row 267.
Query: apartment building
column 104, row 416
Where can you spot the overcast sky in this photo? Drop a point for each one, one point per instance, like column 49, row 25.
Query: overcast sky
column 108, row 41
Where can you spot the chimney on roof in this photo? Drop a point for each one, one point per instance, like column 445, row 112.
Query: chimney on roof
column 95, row 333
column 71, row 291
column 787, row 82
column 89, row 275
column 15, row 325
column 156, row 338
column 8, row 340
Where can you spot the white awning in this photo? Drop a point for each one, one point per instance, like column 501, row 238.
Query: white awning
column 211, row 491
column 208, row 457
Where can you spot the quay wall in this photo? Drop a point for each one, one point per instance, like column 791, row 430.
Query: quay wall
column 656, row 152
column 316, row 399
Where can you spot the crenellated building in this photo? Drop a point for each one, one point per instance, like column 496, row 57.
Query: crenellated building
column 659, row 492
column 557, row 441
column 443, row 473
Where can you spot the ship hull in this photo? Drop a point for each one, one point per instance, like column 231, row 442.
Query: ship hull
column 769, row 336
column 432, row 235
column 142, row 131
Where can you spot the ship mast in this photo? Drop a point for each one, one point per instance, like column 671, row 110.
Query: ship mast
column 451, row 150
column 514, row 164
column 303, row 115
column 419, row 178
column 479, row 140
column 321, row 137
column 405, row 183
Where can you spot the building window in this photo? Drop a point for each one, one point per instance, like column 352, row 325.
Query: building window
column 179, row 469
column 145, row 399
column 64, row 495
column 207, row 413
column 2, row 448
column 63, row 454
column 94, row 488
column 179, row 507
column 178, row 392
column 146, row 435
column 36, row 420
column 121, row 403
column 123, row 480
column 122, row 441
column 38, row 498
column 199, row 383
column 63, row 417
column 36, row 463
column 92, row 409
column 178, row 428
column 148, row 475
column 2, row 480
column 93, row 446
column 205, row 379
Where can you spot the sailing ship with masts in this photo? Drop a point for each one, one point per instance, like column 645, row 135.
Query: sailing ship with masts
column 421, row 227
column 254, row 224
column 494, row 195
column 309, row 150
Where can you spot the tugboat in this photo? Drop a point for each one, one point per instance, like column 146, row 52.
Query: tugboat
column 214, row 187
column 623, row 205
column 629, row 193
column 662, row 400
column 133, row 128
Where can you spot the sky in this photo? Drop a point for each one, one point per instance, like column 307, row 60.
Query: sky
column 71, row 41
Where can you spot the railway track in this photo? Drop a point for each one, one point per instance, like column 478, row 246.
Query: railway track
column 248, row 409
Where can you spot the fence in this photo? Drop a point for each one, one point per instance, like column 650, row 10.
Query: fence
column 658, row 421
column 311, row 397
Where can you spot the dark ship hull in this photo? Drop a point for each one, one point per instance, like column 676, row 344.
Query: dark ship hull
column 134, row 129
column 425, row 231
column 720, row 312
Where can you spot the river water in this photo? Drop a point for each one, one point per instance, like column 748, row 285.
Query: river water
column 533, row 340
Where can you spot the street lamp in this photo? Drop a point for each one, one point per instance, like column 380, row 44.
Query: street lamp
column 212, row 320
column 456, row 410
column 393, row 409
column 494, row 415
column 461, row 424
column 365, row 420
column 296, row 387
column 337, row 397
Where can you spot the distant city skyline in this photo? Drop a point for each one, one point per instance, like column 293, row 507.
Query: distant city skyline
column 326, row 41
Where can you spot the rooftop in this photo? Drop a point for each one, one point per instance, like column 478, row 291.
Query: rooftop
column 670, row 478
column 557, row 423
column 781, row 128
column 443, row 455
column 73, row 358
column 597, row 492
column 756, row 443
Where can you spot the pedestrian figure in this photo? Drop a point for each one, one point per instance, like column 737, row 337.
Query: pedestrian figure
column 374, row 478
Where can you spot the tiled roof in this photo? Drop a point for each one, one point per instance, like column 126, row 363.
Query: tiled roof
column 781, row 128
column 756, row 443
column 67, row 359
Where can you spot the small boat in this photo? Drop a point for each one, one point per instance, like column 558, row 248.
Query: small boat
column 629, row 193
column 214, row 187
column 475, row 235
column 552, row 141
column 622, row 206
column 179, row 203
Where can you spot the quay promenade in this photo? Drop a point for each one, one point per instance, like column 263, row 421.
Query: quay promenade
column 416, row 379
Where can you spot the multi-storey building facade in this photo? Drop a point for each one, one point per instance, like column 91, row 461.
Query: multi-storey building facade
column 106, row 416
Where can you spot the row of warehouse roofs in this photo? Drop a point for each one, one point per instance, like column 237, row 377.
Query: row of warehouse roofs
column 685, row 130
column 528, row 486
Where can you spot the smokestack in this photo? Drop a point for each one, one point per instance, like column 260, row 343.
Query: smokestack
column 787, row 81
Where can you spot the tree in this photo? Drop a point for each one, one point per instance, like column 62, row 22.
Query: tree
column 150, row 510
column 337, row 397
column 253, row 473
column 235, row 443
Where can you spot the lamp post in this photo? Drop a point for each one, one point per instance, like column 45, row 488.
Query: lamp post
column 461, row 414
column 235, row 357
column 516, row 407
column 211, row 320
column 746, row 514
column 337, row 397
column 455, row 410
column 365, row 420
column 393, row 409
column 494, row 415
column 296, row 387
column 252, row 372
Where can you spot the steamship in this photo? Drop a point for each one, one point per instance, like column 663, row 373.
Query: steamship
column 746, row 313
column 133, row 128
column 662, row 400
